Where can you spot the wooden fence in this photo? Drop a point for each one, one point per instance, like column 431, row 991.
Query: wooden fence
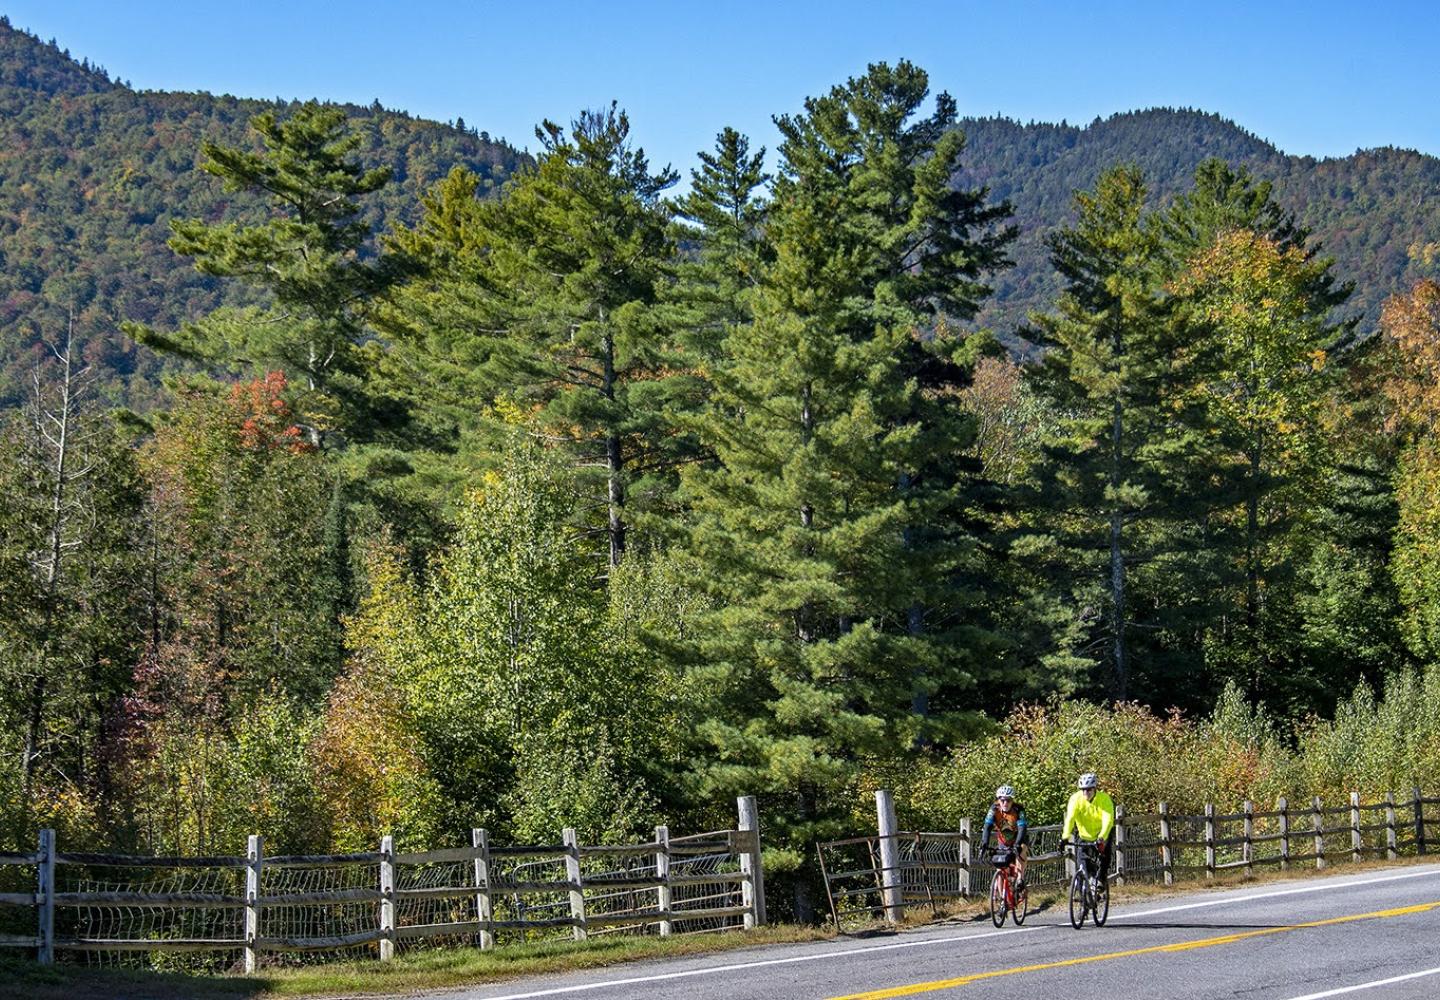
column 1161, row 845
column 877, row 876
column 374, row 901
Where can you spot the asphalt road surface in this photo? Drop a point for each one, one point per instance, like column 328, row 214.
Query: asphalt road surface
column 1369, row 935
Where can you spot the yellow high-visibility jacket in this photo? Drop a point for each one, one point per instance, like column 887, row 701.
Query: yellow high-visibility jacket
column 1092, row 819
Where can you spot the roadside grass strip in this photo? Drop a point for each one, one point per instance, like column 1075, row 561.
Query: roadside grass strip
column 915, row 989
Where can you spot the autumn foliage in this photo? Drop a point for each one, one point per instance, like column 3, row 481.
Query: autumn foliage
column 1411, row 323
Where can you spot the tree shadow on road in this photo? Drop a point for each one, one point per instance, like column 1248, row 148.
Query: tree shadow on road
column 25, row 980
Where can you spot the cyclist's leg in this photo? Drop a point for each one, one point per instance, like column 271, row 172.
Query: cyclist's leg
column 1020, row 856
column 1107, row 858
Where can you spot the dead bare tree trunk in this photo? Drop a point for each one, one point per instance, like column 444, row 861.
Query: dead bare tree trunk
column 58, row 466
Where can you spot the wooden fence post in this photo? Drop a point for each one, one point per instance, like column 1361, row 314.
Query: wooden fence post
column 1283, row 806
column 1167, row 851
column 891, row 892
column 1248, row 847
column 1120, row 843
column 484, row 908
column 1209, row 840
column 1419, row 805
column 1357, row 840
column 387, row 898
column 45, row 917
column 1392, row 850
column 254, row 864
column 966, row 857
column 577, row 887
column 753, row 888
column 1317, row 823
column 662, row 872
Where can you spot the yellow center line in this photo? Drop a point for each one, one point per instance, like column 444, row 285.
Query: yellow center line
column 945, row 984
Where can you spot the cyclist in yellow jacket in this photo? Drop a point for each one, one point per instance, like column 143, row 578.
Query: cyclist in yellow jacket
column 1090, row 815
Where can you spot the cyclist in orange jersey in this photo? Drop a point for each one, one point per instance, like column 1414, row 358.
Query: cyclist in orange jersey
column 1006, row 819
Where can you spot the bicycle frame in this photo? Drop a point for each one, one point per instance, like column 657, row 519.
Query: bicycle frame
column 1087, row 887
column 1005, row 898
column 1007, row 876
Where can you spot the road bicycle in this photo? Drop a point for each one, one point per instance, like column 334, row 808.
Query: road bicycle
column 1004, row 897
column 1089, row 893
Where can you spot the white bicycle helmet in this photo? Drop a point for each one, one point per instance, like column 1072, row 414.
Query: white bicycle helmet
column 1005, row 792
column 1088, row 780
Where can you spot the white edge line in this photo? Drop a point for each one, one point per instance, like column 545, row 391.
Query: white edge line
column 1366, row 986
column 560, row 990
column 1348, row 883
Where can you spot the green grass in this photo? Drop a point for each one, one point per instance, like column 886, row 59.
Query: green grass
column 425, row 970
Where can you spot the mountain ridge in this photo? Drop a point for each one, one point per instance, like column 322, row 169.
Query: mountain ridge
column 1365, row 209
column 92, row 170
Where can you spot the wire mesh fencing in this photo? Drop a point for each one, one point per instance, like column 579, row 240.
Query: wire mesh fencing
column 233, row 912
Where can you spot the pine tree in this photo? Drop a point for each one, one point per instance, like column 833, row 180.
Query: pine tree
column 722, row 219
column 312, row 260
column 719, row 230
column 1227, row 198
column 829, row 535
column 547, row 297
column 1103, row 477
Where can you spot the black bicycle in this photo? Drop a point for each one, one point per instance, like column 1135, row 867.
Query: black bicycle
column 1089, row 893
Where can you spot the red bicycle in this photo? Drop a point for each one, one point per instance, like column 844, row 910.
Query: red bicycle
column 1004, row 898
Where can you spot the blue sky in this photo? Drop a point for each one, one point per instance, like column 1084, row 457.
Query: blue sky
column 1320, row 78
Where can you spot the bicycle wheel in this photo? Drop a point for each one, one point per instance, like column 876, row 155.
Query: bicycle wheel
column 1100, row 912
column 997, row 899
column 1077, row 902
column 1021, row 909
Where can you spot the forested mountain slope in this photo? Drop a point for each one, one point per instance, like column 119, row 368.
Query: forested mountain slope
column 92, row 171
column 1366, row 209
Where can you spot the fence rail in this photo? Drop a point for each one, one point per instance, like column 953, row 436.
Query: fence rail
column 244, row 907
column 877, row 876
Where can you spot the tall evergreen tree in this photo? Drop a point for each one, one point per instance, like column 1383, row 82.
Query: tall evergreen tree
column 313, row 262
column 548, row 297
column 722, row 220
column 1103, row 476
column 718, row 227
column 837, row 440
column 1227, row 198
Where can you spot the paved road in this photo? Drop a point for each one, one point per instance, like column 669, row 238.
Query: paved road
column 1369, row 935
